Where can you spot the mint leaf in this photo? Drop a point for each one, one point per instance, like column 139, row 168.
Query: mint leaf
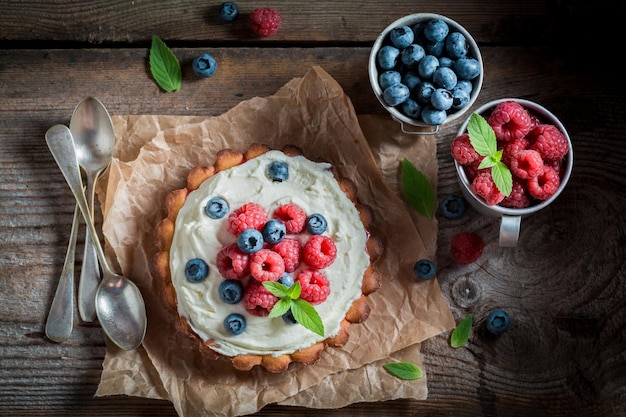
column 164, row 66
column 281, row 307
column 417, row 190
column 482, row 136
column 404, row 370
column 483, row 140
column 278, row 289
column 461, row 333
column 306, row 315
column 501, row 175
column 293, row 292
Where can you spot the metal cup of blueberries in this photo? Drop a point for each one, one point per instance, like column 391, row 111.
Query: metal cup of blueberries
column 426, row 70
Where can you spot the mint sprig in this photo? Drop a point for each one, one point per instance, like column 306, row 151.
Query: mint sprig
column 164, row 66
column 417, row 190
column 289, row 299
column 483, row 140
column 462, row 332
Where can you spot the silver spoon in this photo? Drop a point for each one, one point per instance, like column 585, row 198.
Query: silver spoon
column 119, row 305
column 61, row 316
column 94, row 140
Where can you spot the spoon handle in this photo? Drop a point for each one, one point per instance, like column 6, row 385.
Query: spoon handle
column 90, row 270
column 61, row 316
column 61, row 144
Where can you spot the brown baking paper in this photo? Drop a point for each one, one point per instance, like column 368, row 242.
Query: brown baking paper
column 152, row 157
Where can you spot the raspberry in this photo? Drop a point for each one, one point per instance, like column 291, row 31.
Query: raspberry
column 290, row 251
column 510, row 120
column 484, row 186
column 232, row 262
column 319, row 252
column 267, row 265
column 248, row 216
column 293, row 217
column 472, row 171
column 265, row 21
column 462, row 150
column 466, row 247
column 510, row 148
column 258, row 301
column 314, row 286
column 519, row 195
column 526, row 164
column 545, row 185
column 549, row 142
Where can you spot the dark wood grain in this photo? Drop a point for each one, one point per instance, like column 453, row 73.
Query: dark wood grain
column 564, row 285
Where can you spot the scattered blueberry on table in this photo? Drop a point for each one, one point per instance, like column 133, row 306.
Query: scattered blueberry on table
column 204, row 65
column 498, row 322
column 424, row 269
column 228, row 11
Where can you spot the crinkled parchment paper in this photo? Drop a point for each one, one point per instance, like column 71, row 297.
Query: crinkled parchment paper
column 152, row 157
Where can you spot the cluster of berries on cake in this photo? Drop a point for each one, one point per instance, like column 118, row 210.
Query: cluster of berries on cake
column 533, row 150
column 286, row 246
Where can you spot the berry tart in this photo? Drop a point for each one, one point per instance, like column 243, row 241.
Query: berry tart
column 266, row 258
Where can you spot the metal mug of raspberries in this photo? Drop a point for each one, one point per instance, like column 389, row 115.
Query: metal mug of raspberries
column 530, row 143
column 426, row 70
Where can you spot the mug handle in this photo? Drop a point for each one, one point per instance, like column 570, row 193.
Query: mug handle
column 509, row 230
column 415, row 132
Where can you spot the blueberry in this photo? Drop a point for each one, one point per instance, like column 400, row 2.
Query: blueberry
column 401, row 36
column 278, row 171
column 452, row 207
column 460, row 98
column 204, row 65
column 216, row 208
column 286, row 279
column 465, row 85
column 424, row 269
column 441, row 99
column 289, row 318
column 389, row 78
column 196, row 270
column 456, row 45
column 412, row 55
column 411, row 108
column 444, row 77
column 387, row 57
column 235, row 323
column 418, row 32
column 396, row 94
column 467, row 68
column 498, row 322
column 424, row 91
column 231, row 291
column 228, row 11
column 316, row 224
column 434, row 48
column 445, row 62
column 250, row 241
column 427, row 66
column 432, row 116
column 436, row 30
column 274, row 231
column 410, row 79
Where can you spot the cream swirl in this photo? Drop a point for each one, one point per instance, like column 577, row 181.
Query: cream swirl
column 314, row 189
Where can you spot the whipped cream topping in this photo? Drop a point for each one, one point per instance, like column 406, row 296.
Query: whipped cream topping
column 313, row 188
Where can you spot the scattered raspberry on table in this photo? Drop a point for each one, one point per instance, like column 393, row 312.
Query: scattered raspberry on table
column 265, row 21
column 466, row 247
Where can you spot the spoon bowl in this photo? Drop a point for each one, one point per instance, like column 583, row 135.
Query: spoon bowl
column 94, row 140
column 120, row 307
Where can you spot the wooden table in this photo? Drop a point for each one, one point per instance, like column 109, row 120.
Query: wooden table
column 564, row 285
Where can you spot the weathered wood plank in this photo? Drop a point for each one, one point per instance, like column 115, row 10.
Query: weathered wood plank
column 126, row 21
